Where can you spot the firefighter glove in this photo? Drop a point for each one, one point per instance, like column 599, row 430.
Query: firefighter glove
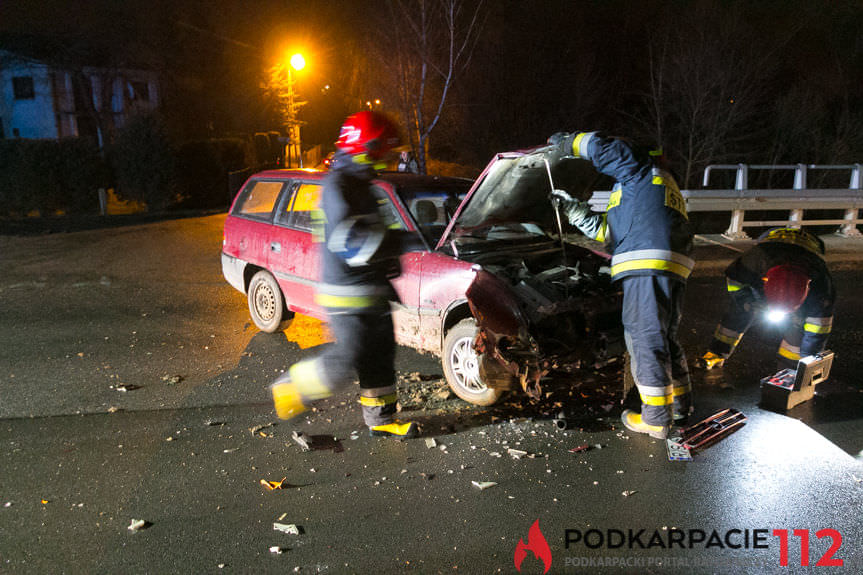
column 576, row 211
column 563, row 142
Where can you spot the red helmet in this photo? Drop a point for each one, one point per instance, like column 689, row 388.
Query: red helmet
column 786, row 286
column 370, row 133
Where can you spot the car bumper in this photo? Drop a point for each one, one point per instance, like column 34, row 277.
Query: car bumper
column 232, row 269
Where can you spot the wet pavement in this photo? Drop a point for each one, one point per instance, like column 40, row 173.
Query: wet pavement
column 132, row 386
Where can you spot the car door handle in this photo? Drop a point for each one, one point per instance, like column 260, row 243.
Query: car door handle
column 276, row 247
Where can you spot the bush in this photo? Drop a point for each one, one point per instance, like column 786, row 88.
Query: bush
column 144, row 164
column 50, row 176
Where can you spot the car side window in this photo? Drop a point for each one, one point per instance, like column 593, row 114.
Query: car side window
column 301, row 214
column 258, row 199
column 389, row 213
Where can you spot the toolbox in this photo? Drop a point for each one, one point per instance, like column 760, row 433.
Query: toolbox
column 790, row 387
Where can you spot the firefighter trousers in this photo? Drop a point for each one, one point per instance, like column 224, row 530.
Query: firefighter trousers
column 652, row 308
column 364, row 348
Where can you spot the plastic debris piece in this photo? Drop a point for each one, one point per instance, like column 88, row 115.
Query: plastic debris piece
column 254, row 430
column 517, row 453
column 7, row 504
column 273, row 484
column 137, row 525
column 230, row 450
column 125, row 388
column 628, row 493
column 580, row 448
column 282, row 516
column 288, row 528
column 301, row 440
column 431, row 443
column 483, row 484
column 276, row 549
column 495, row 454
column 45, row 502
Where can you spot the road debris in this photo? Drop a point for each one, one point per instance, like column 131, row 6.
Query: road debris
column 288, row 528
column 230, row 450
column 431, row 443
column 125, row 388
column 257, row 430
column 276, row 549
column 628, row 493
column 518, row 453
column 482, row 485
column 273, row 484
column 172, row 379
column 580, row 448
column 137, row 525
column 301, row 440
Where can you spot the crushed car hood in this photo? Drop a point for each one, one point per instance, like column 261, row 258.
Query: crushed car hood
column 515, row 188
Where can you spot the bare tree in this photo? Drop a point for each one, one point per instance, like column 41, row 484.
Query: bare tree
column 427, row 44
column 710, row 77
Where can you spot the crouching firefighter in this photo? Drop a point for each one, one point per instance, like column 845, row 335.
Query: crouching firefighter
column 784, row 277
column 359, row 256
column 647, row 230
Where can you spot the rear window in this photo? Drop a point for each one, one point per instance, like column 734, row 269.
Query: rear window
column 258, row 199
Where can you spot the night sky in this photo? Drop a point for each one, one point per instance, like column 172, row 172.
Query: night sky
column 767, row 81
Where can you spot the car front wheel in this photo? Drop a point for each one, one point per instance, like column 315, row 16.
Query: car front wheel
column 461, row 365
column 266, row 305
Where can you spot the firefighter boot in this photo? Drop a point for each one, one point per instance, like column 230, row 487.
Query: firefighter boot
column 632, row 421
column 397, row 430
column 287, row 398
column 709, row 360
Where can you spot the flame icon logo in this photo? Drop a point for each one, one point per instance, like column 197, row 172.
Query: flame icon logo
column 537, row 544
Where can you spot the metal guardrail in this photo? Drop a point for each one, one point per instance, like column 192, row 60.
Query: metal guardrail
column 795, row 200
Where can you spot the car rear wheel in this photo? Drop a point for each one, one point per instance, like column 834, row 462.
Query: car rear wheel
column 266, row 304
column 461, row 365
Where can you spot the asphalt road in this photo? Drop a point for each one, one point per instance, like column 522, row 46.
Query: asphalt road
column 133, row 386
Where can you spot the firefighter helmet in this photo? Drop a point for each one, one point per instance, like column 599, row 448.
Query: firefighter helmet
column 370, row 133
column 786, row 286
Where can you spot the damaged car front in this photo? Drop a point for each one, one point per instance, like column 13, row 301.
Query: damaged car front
column 540, row 301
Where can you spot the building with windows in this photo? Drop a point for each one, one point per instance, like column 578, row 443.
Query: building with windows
column 43, row 100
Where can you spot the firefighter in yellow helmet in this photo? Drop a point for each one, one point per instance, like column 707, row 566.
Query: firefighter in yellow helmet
column 784, row 276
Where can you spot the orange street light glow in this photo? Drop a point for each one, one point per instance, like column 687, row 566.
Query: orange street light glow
column 298, row 62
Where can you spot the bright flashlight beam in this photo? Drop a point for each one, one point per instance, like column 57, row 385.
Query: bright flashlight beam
column 776, row 315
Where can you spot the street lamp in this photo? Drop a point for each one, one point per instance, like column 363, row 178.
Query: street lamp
column 283, row 81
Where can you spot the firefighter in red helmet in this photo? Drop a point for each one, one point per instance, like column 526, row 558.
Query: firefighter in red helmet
column 783, row 276
column 359, row 256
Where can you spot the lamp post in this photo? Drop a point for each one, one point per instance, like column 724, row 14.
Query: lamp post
column 283, row 79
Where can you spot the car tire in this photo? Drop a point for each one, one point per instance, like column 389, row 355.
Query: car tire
column 266, row 304
column 461, row 365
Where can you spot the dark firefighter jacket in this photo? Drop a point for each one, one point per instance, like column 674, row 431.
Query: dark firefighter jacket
column 347, row 198
column 788, row 246
column 646, row 223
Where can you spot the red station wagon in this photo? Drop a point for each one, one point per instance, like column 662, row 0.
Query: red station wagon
column 490, row 287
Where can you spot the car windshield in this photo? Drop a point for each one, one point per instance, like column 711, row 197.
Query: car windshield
column 432, row 208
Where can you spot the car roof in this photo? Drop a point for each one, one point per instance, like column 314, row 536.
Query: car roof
column 399, row 179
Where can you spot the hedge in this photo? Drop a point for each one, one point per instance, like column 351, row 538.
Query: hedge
column 50, row 176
